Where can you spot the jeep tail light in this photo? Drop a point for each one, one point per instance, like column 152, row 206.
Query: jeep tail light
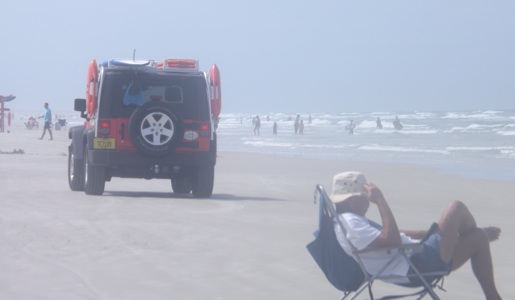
column 103, row 128
column 204, row 130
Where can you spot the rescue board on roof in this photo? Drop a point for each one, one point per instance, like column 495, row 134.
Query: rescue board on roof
column 128, row 63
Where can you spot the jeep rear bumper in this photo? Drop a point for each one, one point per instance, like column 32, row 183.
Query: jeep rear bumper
column 137, row 165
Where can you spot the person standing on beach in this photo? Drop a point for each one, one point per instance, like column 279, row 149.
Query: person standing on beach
column 301, row 127
column 296, row 124
column 47, row 117
column 350, row 127
column 275, row 128
column 379, row 125
column 397, row 124
column 257, row 125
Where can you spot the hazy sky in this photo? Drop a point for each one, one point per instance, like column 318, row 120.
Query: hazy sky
column 274, row 56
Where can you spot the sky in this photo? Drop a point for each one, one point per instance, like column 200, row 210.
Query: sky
column 274, row 55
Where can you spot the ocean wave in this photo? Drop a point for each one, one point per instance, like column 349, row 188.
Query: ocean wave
column 487, row 115
column 505, row 133
column 320, row 122
column 401, row 149
column 278, row 144
column 427, row 131
column 504, row 150
column 474, row 127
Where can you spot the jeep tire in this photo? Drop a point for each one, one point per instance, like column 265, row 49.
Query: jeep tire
column 203, row 180
column 181, row 185
column 75, row 171
column 154, row 129
column 94, row 177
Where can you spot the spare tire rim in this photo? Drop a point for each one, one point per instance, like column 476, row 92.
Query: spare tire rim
column 157, row 129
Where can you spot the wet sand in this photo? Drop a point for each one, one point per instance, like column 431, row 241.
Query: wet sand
column 248, row 241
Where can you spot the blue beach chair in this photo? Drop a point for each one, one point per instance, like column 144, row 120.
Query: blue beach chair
column 348, row 274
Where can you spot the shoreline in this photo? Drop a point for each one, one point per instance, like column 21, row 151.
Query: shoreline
column 491, row 170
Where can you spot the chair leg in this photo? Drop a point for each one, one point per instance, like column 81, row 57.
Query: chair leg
column 427, row 286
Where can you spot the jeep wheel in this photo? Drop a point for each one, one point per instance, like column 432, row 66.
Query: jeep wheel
column 154, row 129
column 181, row 185
column 203, row 181
column 94, row 177
column 75, row 172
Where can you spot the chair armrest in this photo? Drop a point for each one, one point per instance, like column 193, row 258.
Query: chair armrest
column 403, row 247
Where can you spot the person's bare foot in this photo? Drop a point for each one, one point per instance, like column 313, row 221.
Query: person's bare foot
column 492, row 232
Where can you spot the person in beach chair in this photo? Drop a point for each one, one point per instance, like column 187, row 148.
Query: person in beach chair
column 413, row 258
column 32, row 123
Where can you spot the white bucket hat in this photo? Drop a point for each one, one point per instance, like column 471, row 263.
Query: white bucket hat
column 346, row 185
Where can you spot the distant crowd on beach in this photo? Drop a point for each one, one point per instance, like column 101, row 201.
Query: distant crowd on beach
column 298, row 124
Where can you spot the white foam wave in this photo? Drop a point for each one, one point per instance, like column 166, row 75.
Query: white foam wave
column 500, row 149
column 276, row 144
column 477, row 115
column 506, row 133
column 401, row 149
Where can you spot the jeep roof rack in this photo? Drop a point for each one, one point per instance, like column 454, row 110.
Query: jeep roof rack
column 178, row 65
column 167, row 65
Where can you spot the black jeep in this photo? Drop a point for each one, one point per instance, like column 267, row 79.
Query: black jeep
column 146, row 119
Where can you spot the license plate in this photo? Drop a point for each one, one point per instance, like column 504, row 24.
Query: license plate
column 99, row 143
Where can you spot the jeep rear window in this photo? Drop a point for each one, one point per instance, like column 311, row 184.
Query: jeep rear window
column 186, row 94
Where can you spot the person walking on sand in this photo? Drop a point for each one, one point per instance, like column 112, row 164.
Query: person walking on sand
column 457, row 239
column 47, row 117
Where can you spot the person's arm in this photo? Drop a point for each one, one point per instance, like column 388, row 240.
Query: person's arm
column 390, row 235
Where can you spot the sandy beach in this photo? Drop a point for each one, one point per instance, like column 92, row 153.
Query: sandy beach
column 248, row 241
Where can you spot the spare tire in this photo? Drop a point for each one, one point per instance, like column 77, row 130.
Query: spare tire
column 154, row 129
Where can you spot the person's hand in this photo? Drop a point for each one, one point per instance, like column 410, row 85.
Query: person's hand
column 373, row 193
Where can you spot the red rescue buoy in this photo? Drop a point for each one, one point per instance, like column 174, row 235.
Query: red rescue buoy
column 91, row 88
column 216, row 91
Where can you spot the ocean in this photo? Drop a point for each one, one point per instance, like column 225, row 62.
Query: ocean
column 478, row 144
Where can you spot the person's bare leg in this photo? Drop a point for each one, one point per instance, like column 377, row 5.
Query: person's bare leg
column 475, row 246
column 463, row 240
column 455, row 221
